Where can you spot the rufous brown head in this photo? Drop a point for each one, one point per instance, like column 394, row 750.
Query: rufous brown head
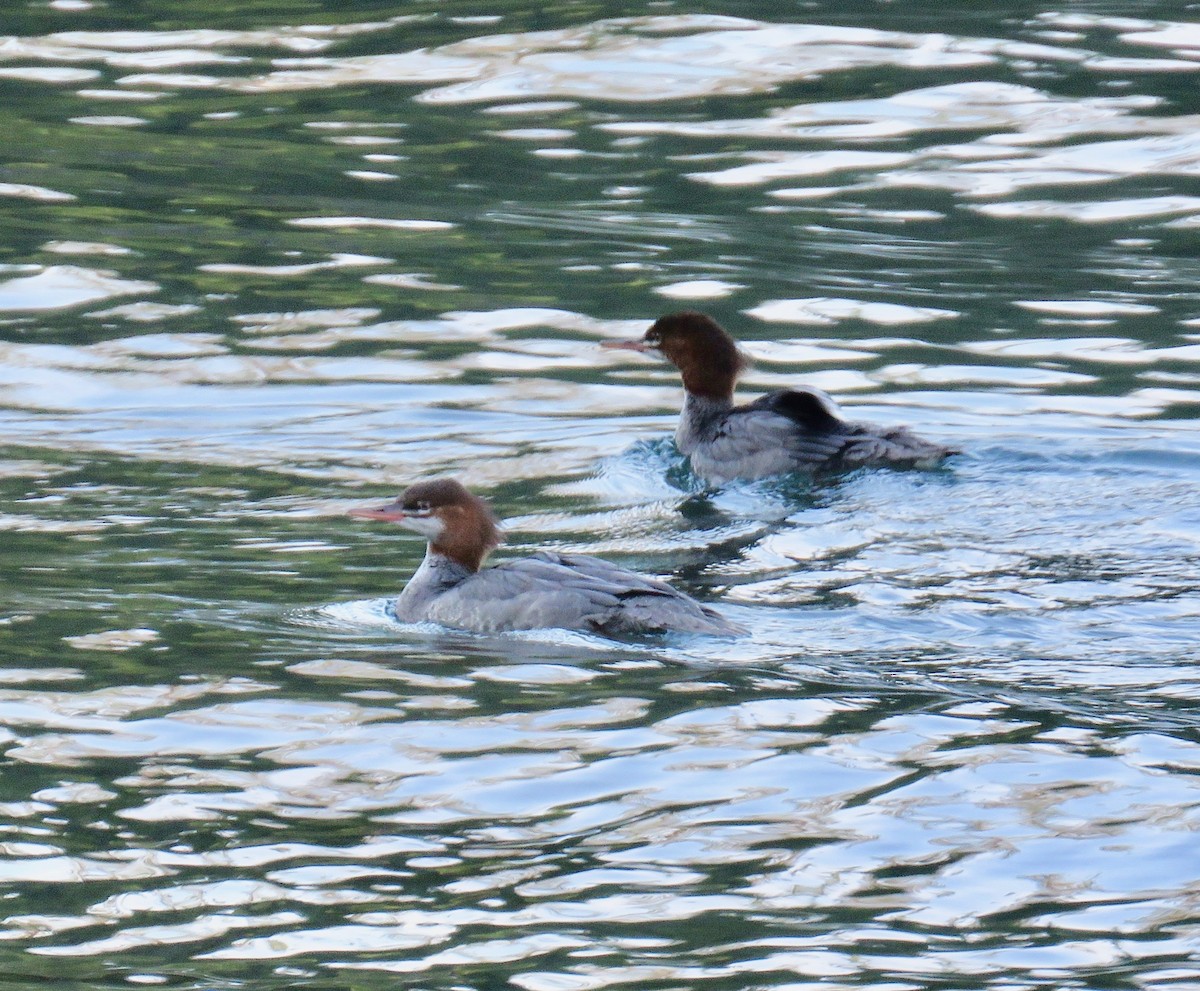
column 707, row 357
column 456, row 523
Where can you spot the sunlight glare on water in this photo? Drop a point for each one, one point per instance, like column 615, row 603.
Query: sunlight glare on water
column 267, row 264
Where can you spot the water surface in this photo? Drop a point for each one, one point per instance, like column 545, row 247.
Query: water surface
column 265, row 263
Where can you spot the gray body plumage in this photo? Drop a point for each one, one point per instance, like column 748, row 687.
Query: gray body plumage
column 790, row 430
column 569, row 591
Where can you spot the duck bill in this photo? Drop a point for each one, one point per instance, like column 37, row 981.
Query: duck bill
column 625, row 345
column 389, row 514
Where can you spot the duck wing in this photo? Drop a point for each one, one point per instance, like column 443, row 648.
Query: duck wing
column 800, row 428
column 821, row 436
column 577, row 591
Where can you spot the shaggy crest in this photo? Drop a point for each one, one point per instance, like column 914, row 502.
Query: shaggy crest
column 707, row 357
column 470, row 531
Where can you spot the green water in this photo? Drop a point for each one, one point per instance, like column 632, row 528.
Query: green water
column 264, row 263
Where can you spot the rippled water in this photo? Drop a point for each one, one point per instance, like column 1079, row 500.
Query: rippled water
column 267, row 262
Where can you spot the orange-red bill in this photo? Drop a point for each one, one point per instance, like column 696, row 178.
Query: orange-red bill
column 625, row 345
column 386, row 513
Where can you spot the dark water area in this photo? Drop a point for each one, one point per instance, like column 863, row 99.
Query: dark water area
column 266, row 262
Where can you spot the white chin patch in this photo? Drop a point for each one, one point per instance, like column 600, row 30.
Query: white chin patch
column 429, row 527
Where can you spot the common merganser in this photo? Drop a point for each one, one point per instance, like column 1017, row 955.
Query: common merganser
column 572, row 591
column 788, row 430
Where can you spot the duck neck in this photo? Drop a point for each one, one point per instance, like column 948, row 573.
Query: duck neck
column 708, row 384
column 706, row 407
column 699, row 420
column 436, row 575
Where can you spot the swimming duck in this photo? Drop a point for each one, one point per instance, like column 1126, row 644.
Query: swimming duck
column 783, row 431
column 547, row 589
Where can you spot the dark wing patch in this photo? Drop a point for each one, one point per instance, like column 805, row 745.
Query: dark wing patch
column 634, row 593
column 810, row 410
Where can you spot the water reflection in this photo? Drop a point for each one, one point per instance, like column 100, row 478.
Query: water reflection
column 261, row 268
column 62, row 286
column 914, row 853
